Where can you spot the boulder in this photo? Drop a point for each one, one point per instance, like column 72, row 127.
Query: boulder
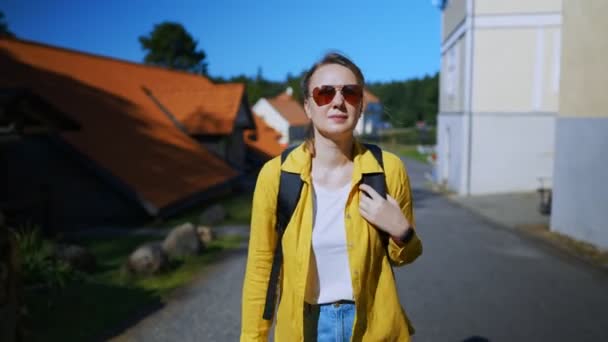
column 213, row 215
column 148, row 259
column 205, row 234
column 77, row 257
column 182, row 241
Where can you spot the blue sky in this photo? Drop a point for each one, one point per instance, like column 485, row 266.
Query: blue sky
column 388, row 39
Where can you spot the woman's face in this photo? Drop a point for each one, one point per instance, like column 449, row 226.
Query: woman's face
column 339, row 117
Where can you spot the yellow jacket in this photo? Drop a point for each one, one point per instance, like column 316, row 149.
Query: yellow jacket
column 379, row 316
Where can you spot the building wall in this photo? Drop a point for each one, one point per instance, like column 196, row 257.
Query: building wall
column 451, row 138
column 511, row 152
column 580, row 187
column 510, row 7
column 516, row 69
column 43, row 167
column 506, row 87
column 273, row 118
column 453, row 15
column 452, row 77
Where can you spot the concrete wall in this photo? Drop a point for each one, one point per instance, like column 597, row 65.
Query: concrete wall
column 273, row 118
column 581, row 165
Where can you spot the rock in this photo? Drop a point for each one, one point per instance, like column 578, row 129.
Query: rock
column 148, row 259
column 213, row 215
column 182, row 241
column 205, row 234
column 77, row 257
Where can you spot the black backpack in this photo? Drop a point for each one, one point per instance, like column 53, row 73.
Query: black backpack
column 290, row 187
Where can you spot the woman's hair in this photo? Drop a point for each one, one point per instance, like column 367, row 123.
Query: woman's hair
column 330, row 58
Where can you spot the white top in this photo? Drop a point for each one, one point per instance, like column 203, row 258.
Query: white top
column 329, row 272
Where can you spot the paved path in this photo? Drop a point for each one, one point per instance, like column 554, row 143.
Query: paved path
column 474, row 279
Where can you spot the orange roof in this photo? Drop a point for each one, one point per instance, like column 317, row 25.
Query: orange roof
column 290, row 109
column 266, row 138
column 123, row 130
column 368, row 97
column 202, row 110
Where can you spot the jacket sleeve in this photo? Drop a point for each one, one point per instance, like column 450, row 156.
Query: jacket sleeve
column 262, row 241
column 398, row 181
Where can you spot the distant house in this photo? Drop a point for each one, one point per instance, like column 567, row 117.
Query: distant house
column 284, row 114
column 371, row 119
column 262, row 143
column 499, row 90
column 135, row 154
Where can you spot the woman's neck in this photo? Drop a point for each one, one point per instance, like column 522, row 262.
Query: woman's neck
column 333, row 153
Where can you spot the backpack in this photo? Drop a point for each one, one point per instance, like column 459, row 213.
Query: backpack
column 290, row 186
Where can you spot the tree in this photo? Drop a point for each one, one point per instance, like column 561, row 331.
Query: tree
column 4, row 31
column 171, row 46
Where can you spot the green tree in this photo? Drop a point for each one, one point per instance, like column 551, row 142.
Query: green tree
column 4, row 31
column 171, row 46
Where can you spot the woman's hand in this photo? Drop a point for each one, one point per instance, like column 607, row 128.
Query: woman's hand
column 382, row 213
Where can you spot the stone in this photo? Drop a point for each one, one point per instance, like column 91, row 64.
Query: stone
column 148, row 259
column 79, row 258
column 213, row 215
column 182, row 241
column 205, row 234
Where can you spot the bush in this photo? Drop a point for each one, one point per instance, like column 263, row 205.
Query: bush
column 38, row 264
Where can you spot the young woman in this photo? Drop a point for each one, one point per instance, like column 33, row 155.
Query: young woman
column 336, row 279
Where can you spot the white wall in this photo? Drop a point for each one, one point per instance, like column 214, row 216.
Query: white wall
column 274, row 119
column 510, row 152
column 451, row 151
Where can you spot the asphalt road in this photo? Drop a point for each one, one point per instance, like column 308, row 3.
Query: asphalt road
column 474, row 282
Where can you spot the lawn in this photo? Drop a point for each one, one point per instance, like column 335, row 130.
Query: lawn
column 408, row 151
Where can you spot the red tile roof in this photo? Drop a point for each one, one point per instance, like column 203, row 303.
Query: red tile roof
column 204, row 109
column 267, row 138
column 290, row 109
column 123, row 130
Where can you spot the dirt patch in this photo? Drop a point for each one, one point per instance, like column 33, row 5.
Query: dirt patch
column 583, row 250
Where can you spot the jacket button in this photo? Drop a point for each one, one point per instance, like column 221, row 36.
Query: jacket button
column 348, row 216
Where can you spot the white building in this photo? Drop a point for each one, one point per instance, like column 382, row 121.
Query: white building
column 284, row 114
column 499, row 92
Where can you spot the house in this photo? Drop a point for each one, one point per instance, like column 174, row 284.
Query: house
column 284, row 114
column 136, row 153
column 580, row 202
column 499, row 91
column 371, row 119
column 262, row 142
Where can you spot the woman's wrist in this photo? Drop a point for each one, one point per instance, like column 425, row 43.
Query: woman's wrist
column 404, row 237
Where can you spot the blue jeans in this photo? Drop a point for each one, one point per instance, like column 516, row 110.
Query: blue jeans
column 328, row 322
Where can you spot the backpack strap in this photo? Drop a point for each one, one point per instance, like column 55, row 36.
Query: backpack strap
column 290, row 186
column 376, row 180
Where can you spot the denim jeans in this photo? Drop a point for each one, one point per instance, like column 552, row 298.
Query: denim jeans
column 328, row 322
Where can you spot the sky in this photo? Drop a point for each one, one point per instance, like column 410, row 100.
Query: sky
column 388, row 39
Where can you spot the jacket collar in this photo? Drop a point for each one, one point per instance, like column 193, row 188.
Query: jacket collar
column 300, row 161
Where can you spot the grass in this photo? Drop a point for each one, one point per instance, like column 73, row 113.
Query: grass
column 238, row 211
column 85, row 309
column 408, row 151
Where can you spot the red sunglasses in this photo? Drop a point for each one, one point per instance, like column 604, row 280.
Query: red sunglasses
column 352, row 93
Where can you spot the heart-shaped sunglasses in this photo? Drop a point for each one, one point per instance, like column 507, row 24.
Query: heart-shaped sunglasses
column 352, row 93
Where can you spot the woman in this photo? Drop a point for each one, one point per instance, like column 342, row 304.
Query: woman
column 336, row 281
